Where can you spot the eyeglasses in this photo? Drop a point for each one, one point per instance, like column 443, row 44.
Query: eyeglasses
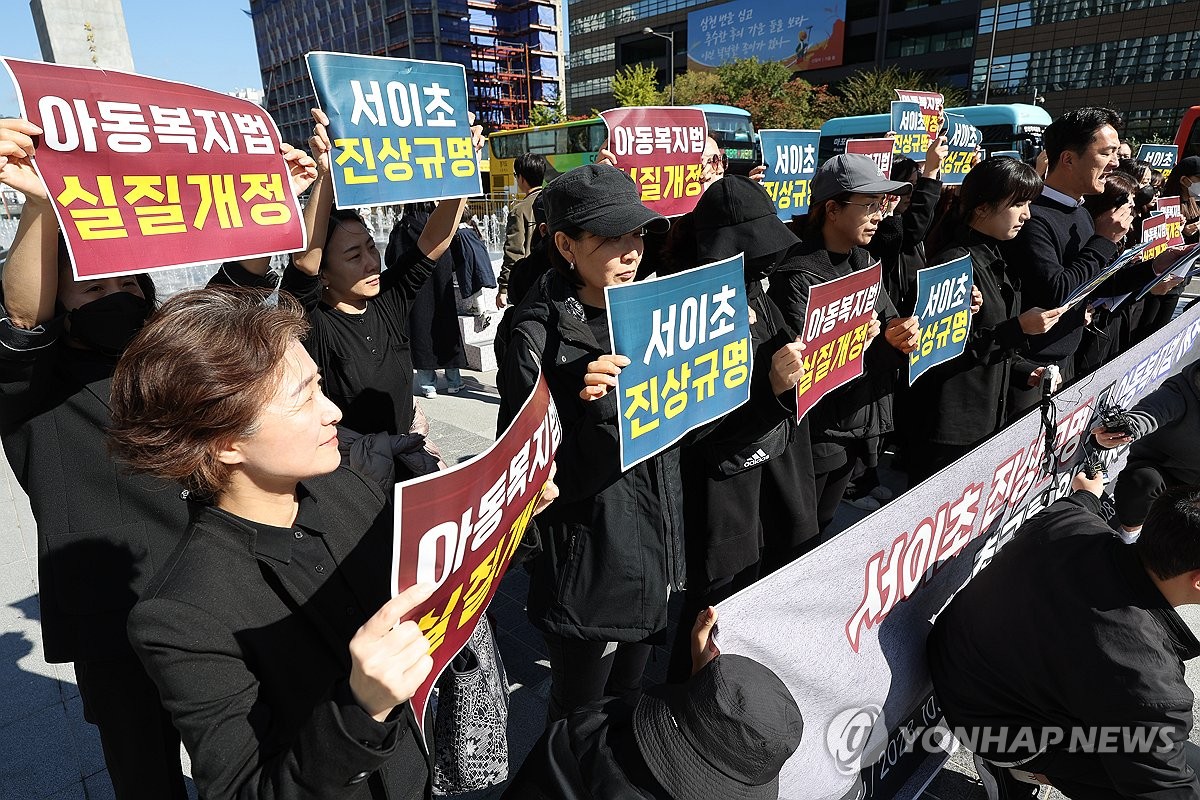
column 872, row 208
column 717, row 160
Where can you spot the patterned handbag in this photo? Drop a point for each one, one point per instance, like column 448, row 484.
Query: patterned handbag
column 471, row 719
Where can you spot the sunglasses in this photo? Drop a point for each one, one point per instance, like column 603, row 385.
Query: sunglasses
column 717, row 160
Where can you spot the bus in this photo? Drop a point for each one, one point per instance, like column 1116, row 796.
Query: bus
column 567, row 145
column 1015, row 126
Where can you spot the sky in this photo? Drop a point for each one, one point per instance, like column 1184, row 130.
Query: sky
column 208, row 43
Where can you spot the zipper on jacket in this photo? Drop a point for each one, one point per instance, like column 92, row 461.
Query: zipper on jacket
column 675, row 582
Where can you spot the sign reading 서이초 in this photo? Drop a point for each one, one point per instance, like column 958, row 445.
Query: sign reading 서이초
column 687, row 337
column 943, row 310
column 661, row 148
column 458, row 529
column 835, row 334
column 399, row 128
column 147, row 174
column 791, row 159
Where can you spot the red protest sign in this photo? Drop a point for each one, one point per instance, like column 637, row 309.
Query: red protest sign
column 458, row 529
column 1175, row 221
column 661, row 148
column 880, row 151
column 1154, row 234
column 835, row 333
column 146, row 174
column 932, row 104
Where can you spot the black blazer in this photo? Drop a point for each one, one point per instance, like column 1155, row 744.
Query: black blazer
column 254, row 666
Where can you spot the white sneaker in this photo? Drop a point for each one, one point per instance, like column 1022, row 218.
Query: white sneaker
column 866, row 503
column 431, row 393
column 882, row 493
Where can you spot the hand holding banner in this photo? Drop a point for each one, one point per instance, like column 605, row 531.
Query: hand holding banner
column 399, row 128
column 791, row 161
column 933, row 105
column 964, row 140
column 943, row 310
column 146, row 174
column 909, row 130
column 662, row 149
column 458, row 530
column 835, row 334
column 687, row 337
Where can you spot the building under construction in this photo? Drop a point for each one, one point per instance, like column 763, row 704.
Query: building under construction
column 511, row 49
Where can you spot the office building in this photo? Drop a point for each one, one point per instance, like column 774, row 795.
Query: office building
column 511, row 49
column 83, row 33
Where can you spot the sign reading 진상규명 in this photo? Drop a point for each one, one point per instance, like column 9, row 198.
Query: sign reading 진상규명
column 147, row 174
column 791, row 160
column 943, row 310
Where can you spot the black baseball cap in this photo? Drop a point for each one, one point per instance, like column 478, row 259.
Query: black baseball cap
column 736, row 215
column 599, row 199
column 852, row 172
column 1188, row 167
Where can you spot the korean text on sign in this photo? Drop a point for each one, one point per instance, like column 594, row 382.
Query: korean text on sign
column 1154, row 235
column 399, row 128
column 687, row 337
column 943, row 310
column 835, row 334
column 661, row 149
column 458, row 529
column 881, row 151
column 908, row 127
column 1161, row 157
column 1170, row 206
column 963, row 140
column 791, row 159
column 147, row 174
column 932, row 104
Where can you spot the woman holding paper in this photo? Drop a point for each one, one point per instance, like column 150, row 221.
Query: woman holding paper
column 962, row 401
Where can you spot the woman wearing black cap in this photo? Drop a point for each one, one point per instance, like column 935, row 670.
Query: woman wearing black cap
column 613, row 544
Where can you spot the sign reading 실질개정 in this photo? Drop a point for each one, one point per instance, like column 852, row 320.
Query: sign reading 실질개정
column 661, row 148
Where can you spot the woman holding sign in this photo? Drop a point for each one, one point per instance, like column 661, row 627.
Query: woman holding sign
column 613, row 543
column 961, row 402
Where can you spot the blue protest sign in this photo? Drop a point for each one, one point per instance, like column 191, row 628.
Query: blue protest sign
column 909, row 127
column 943, row 310
column 963, row 139
column 1161, row 157
column 791, row 159
column 687, row 337
column 399, row 128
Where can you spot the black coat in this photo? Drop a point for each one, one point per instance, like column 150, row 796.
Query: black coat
column 962, row 401
column 899, row 243
column 613, row 541
column 862, row 409
column 436, row 339
column 1065, row 628
column 102, row 533
column 254, row 666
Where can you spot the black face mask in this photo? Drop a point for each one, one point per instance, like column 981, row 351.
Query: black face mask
column 109, row 324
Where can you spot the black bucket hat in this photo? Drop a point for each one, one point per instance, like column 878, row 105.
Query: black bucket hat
column 725, row 733
column 736, row 215
column 599, row 199
column 852, row 172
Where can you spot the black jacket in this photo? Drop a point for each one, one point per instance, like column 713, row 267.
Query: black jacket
column 862, row 409
column 254, row 665
column 102, row 533
column 613, row 541
column 899, row 243
column 1065, row 628
column 962, row 401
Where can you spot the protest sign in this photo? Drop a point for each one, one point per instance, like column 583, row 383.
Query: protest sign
column 943, row 309
column 1171, row 207
column 687, row 337
column 881, row 151
column 661, row 148
column 791, row 159
column 146, row 174
column 835, row 334
column 458, row 529
column 963, row 139
column 1131, row 256
column 1184, row 268
column 932, row 104
column 399, row 128
column 845, row 626
column 908, row 128
column 1161, row 157
column 1154, row 236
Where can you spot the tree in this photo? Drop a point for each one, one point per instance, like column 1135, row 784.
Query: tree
column 872, row 91
column 548, row 114
column 695, row 88
column 637, row 85
column 773, row 98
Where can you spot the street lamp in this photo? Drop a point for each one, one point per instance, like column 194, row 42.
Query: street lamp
column 670, row 37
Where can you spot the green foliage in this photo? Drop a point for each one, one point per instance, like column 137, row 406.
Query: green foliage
column 637, row 85
column 696, row 88
column 872, row 91
column 765, row 89
column 548, row 114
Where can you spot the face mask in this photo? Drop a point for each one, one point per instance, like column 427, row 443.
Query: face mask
column 110, row 323
column 1194, row 189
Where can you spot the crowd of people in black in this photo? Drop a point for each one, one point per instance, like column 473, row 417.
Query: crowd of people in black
column 214, row 527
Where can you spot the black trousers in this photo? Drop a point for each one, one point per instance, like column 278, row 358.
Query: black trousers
column 1081, row 776
column 584, row 671
column 141, row 746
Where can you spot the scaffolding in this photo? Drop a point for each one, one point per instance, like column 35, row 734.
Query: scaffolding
column 501, row 76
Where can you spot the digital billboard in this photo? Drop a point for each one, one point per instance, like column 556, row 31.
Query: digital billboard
column 805, row 35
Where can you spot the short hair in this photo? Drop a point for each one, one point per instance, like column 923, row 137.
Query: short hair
column 1170, row 541
column 195, row 379
column 531, row 167
column 1075, row 130
column 1119, row 189
column 905, row 169
column 338, row 216
column 995, row 183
